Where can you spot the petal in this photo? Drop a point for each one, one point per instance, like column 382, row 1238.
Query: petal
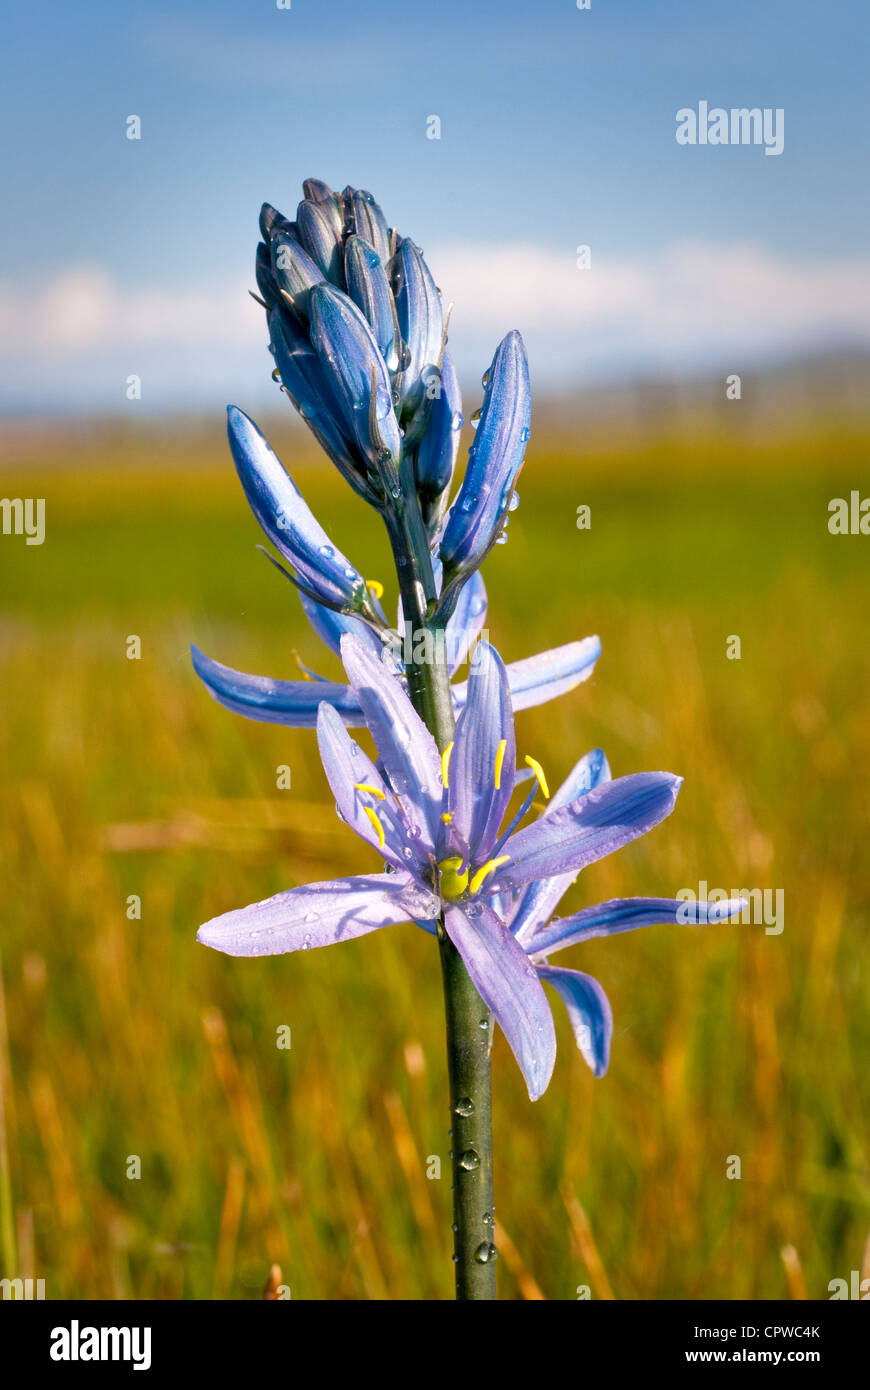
column 293, row 703
column 347, row 766
column 436, row 455
column 331, row 626
column 369, row 289
column 494, row 460
column 286, row 519
column 627, row 914
column 406, row 747
column 294, row 271
column 349, row 355
column 508, row 984
column 589, row 1011
column 537, row 679
column 466, row 620
column 479, row 761
column 421, row 323
column 589, row 828
column 318, row 914
column 321, row 238
column 368, row 221
column 539, row 899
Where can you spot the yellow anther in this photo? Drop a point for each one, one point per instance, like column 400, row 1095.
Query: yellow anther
column 539, row 774
column 376, row 587
column 484, row 870
column 298, row 659
column 373, row 817
column 445, row 764
column 453, row 879
column 499, row 759
column 447, row 817
column 372, row 791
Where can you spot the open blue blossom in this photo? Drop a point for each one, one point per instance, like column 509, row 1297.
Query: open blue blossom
column 528, row 913
column 532, row 681
column 437, row 821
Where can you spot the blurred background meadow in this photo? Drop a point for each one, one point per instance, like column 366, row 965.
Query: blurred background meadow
column 125, row 328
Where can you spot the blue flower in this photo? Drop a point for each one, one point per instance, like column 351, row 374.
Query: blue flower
column 437, row 821
column 533, row 681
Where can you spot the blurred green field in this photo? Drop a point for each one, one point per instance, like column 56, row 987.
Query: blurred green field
column 123, row 1037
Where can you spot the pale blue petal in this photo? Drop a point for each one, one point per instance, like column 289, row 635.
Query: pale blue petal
column 293, row 703
column 318, row 914
column 627, row 914
column 508, row 984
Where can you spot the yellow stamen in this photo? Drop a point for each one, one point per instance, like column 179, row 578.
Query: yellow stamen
column 447, row 817
column 485, row 869
column 445, row 764
column 539, row 774
column 372, row 791
column 298, row 659
column 376, row 587
column 499, row 759
column 453, row 879
column 373, row 817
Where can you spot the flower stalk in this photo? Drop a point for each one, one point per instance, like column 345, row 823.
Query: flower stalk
column 467, row 1019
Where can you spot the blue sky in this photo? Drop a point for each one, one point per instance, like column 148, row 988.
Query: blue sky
column 558, row 129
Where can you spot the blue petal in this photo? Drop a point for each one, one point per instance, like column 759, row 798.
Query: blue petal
column 421, row 323
column 477, row 804
column 321, row 238
column 303, row 379
column 590, row 828
column 280, row 509
column 537, row 679
column 436, row 455
column 293, row 703
column 294, row 271
column 508, row 984
column 466, row 621
column 351, row 358
column 627, row 914
column 540, row 898
column 494, row 460
column 589, row 1011
column 369, row 289
column 347, row 766
column 406, row 747
column 368, row 221
column 319, row 914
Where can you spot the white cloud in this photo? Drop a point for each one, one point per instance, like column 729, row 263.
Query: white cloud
column 697, row 303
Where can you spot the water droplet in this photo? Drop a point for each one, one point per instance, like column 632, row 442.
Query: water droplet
column 501, row 538
column 454, row 1227
column 327, row 550
column 484, row 1023
column 395, row 492
column 455, row 1258
column 468, row 503
column 407, row 852
column 485, row 1253
column 350, row 572
column 465, row 1106
column 475, row 420
column 488, row 1218
column 514, row 502
column 276, row 375
column 469, row 1160
column 306, row 944
column 484, row 380
column 524, row 436
column 458, row 421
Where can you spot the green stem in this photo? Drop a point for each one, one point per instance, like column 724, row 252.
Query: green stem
column 468, row 1022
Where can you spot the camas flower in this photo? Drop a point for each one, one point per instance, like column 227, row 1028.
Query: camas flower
column 437, row 821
